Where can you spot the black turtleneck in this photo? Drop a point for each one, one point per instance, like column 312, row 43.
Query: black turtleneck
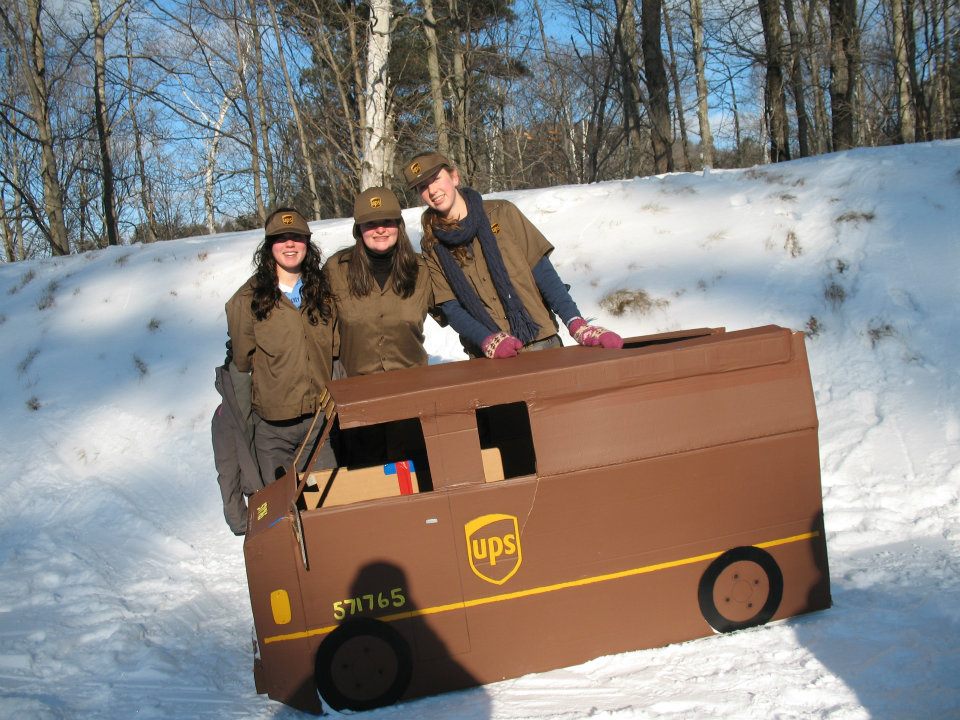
column 380, row 264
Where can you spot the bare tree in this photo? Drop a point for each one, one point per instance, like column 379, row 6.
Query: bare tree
column 905, row 100
column 699, row 61
column 844, row 71
column 661, row 138
column 298, row 120
column 796, row 78
column 26, row 40
column 816, row 27
column 627, row 58
column 677, row 92
column 436, row 82
column 775, row 106
column 559, row 100
column 147, row 202
column 101, row 27
column 263, row 115
column 458, row 91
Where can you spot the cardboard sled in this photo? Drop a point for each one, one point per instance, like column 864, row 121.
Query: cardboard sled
column 562, row 505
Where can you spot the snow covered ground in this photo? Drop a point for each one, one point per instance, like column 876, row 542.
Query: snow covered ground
column 124, row 593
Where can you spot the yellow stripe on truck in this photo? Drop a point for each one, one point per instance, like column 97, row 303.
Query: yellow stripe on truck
column 503, row 597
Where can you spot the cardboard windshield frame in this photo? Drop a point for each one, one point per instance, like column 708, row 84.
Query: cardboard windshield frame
column 539, row 512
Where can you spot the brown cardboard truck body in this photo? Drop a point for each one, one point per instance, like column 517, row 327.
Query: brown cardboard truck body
column 563, row 505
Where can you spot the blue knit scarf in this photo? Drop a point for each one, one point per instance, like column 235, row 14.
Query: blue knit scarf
column 477, row 225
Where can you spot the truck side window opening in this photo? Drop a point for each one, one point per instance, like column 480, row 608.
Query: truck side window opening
column 507, row 428
column 385, row 443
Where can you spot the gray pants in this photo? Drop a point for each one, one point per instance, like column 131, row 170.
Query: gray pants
column 277, row 444
column 553, row 341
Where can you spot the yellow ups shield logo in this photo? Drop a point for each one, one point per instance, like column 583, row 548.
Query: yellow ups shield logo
column 493, row 547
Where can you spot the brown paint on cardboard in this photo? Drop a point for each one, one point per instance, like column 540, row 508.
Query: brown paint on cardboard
column 567, row 504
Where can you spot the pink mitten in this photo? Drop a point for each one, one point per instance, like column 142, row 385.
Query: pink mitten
column 593, row 335
column 501, row 345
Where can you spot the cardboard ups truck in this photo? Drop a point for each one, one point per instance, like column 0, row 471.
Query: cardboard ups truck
column 500, row 518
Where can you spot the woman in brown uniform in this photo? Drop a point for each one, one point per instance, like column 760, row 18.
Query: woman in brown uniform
column 492, row 275
column 382, row 293
column 280, row 324
column 382, row 290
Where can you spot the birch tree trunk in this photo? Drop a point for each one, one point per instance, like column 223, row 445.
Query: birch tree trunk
column 209, row 174
column 376, row 97
column 699, row 63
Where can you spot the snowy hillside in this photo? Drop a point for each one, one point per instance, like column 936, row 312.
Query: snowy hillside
column 124, row 593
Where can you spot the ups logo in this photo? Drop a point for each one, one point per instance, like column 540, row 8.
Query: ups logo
column 493, row 547
column 495, row 228
column 375, row 202
column 286, row 219
column 415, row 168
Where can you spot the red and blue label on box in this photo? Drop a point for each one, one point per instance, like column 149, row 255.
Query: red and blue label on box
column 404, row 471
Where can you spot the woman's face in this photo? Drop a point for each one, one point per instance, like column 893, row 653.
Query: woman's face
column 379, row 235
column 440, row 191
column 289, row 252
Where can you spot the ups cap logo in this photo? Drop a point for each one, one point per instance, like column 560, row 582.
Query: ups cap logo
column 415, row 168
column 376, row 201
column 493, row 547
column 286, row 219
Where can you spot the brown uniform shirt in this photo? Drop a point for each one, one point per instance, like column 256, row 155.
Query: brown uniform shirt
column 290, row 359
column 522, row 247
column 381, row 331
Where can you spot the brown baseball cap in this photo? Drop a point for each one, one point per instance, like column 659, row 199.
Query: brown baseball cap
column 284, row 221
column 376, row 203
column 423, row 167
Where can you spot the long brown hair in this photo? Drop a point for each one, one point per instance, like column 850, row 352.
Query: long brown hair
column 315, row 294
column 403, row 272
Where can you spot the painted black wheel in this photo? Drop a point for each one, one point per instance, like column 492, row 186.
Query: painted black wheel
column 363, row 664
column 740, row 589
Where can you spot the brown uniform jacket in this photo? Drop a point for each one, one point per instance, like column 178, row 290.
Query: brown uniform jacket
column 522, row 247
column 381, row 331
column 291, row 360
